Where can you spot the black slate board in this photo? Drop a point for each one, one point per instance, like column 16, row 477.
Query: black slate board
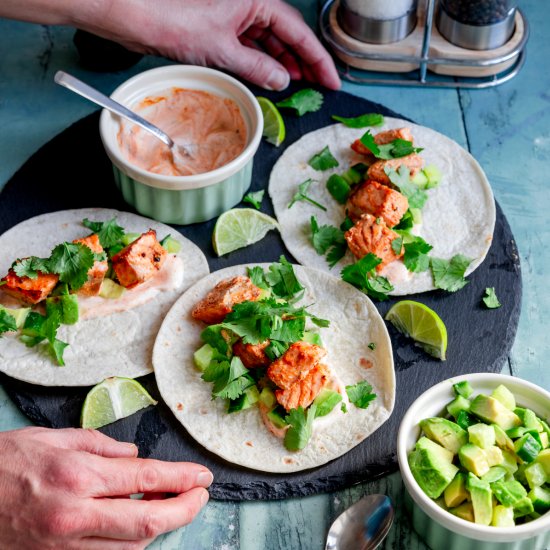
column 72, row 171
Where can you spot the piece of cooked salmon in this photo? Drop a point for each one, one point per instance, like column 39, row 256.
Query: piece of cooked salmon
column 371, row 234
column 252, row 355
column 30, row 291
column 97, row 272
column 305, row 390
column 382, row 138
column 414, row 162
column 379, row 200
column 139, row 261
column 295, row 363
column 213, row 308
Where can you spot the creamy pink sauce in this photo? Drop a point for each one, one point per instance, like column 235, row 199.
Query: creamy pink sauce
column 396, row 272
column 211, row 127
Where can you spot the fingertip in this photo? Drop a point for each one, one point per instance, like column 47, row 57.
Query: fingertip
column 204, row 497
column 205, row 478
column 278, row 80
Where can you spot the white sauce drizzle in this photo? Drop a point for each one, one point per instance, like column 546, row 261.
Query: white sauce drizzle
column 396, row 272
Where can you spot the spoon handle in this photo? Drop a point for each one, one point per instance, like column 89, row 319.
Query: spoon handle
column 81, row 88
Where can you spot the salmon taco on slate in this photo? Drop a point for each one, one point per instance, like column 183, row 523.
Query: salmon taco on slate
column 278, row 367
column 83, row 293
column 397, row 210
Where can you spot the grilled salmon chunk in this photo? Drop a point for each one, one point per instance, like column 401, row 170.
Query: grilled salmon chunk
column 221, row 299
column 371, row 234
column 379, row 200
column 252, row 355
column 304, row 391
column 376, row 171
column 97, row 272
column 295, row 363
column 30, row 291
column 139, row 261
column 382, row 138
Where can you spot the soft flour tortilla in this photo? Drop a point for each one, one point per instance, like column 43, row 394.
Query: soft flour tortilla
column 116, row 345
column 241, row 437
column 458, row 218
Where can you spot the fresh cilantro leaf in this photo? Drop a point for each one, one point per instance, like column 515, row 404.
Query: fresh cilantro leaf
column 401, row 179
column 56, row 348
column 346, row 224
column 397, row 245
column 396, row 149
column 65, row 306
column 329, row 240
column 361, row 275
column 257, row 276
column 405, row 223
column 372, row 346
column 39, row 327
column 301, row 195
column 378, row 287
column 360, row 394
column 367, row 139
column 361, row 121
column 344, row 408
column 449, row 274
column 255, row 198
column 323, row 160
column 303, row 101
column 219, row 338
column 282, row 279
column 300, row 430
column 109, row 232
column 7, row 322
column 490, row 299
column 291, row 330
column 322, row 323
column 71, row 261
column 275, row 349
column 29, row 267
column 416, row 257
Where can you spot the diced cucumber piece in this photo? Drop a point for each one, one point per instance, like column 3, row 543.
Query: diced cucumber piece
column 446, row 433
column 502, row 439
column 515, row 433
column 464, row 511
column 482, row 499
column 248, row 398
column 540, row 497
column 474, row 459
column 456, row 493
column 277, row 417
column 508, row 492
column 203, row 356
column 465, row 419
column 523, row 507
column 171, row 245
column 535, row 475
column 509, row 462
column 128, row 238
column 312, row 338
column 530, row 421
column 458, row 404
column 111, row 290
column 544, row 439
column 339, row 188
column 505, row 396
column 544, row 459
column 420, row 179
column 503, row 516
column 416, row 214
column 535, row 434
column 267, row 398
column 19, row 314
column 527, row 447
column 356, row 173
column 494, row 474
column 433, row 173
column 326, row 401
column 463, row 388
column 482, row 435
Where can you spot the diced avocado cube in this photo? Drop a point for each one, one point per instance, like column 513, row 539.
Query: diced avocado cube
column 416, row 214
column 530, row 421
column 431, row 467
column 540, row 497
column 456, row 493
column 171, row 245
column 128, row 238
column 494, row 455
column 277, row 417
column 527, row 447
column 249, row 397
column 312, row 338
column 535, row 475
column 446, row 433
column 503, row 516
column 544, row 439
column 491, row 410
column 482, row 435
column 509, row 462
column 420, row 179
column 505, row 396
column 494, row 474
column 544, row 459
column 441, row 503
column 502, row 439
column 203, row 356
column 326, row 401
column 523, row 507
column 474, row 459
column 545, row 427
column 515, row 433
column 19, row 314
column 463, row 388
column 482, row 499
column 267, row 398
column 508, row 492
column 111, row 290
column 464, row 511
column 465, row 419
column 458, row 404
column 356, row 173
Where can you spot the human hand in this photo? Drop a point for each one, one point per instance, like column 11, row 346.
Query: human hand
column 265, row 42
column 68, row 489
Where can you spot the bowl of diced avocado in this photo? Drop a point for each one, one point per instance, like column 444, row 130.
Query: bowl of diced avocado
column 474, row 454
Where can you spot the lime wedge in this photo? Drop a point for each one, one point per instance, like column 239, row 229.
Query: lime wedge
column 422, row 324
column 240, row 227
column 274, row 126
column 112, row 399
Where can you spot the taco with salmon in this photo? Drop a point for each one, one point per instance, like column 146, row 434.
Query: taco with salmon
column 83, row 292
column 278, row 367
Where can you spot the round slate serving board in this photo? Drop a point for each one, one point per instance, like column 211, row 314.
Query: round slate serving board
column 72, row 171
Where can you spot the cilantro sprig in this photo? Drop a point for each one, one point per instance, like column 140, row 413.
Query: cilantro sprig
column 301, row 195
column 255, row 198
column 303, row 101
column 401, row 178
column 395, row 149
column 29, row 267
column 490, row 299
column 361, row 394
column 362, row 275
column 7, row 322
column 449, row 274
column 328, row 240
column 301, row 427
column 323, row 160
column 109, row 232
column 361, row 121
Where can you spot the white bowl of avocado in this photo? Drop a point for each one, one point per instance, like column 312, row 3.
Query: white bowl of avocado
column 474, row 454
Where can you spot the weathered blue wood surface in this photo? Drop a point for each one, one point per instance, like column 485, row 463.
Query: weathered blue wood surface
column 506, row 128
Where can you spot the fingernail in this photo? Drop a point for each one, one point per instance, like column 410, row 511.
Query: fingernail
column 204, row 498
column 204, row 479
column 279, row 79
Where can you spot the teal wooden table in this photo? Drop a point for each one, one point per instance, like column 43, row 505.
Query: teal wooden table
column 506, row 128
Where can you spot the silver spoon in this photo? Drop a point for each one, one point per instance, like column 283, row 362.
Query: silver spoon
column 363, row 526
column 179, row 152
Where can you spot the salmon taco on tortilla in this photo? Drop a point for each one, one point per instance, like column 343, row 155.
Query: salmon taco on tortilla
column 83, row 292
column 278, row 368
